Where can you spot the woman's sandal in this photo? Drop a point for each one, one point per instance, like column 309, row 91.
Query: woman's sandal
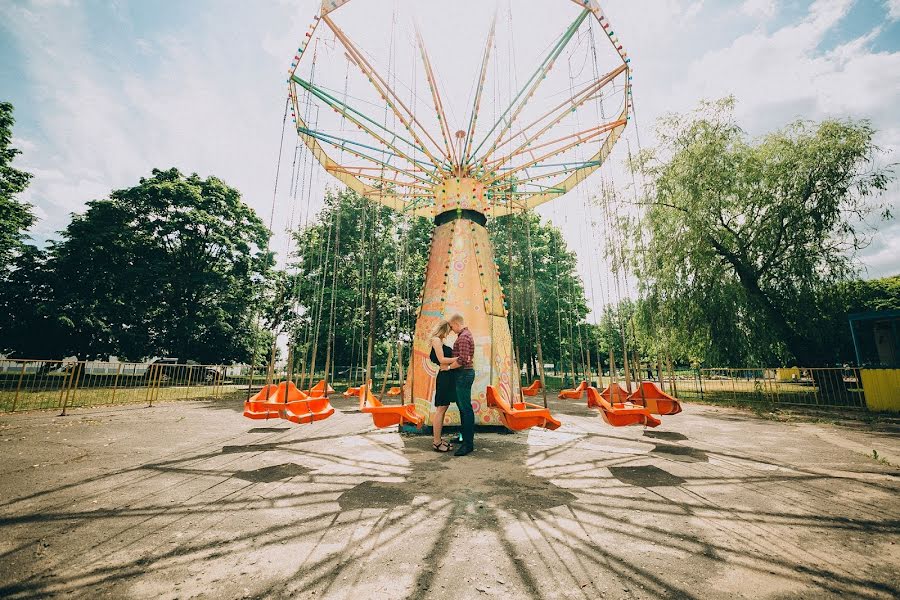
column 442, row 447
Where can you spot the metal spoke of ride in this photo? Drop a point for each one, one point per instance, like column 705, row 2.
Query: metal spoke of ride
column 591, row 92
column 479, row 90
column 579, row 138
column 387, row 93
column 567, row 169
column 351, row 114
column 342, row 142
column 341, row 172
column 438, row 105
column 592, row 164
column 382, row 178
column 530, row 87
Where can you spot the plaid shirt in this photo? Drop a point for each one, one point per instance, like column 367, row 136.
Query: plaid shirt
column 464, row 348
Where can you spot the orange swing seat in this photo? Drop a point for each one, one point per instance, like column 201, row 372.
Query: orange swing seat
column 395, row 391
column 621, row 415
column 614, row 394
column 263, row 404
column 350, row 392
column 521, row 415
column 386, row 416
column 573, row 393
column 284, row 400
column 533, row 389
column 655, row 400
column 319, row 390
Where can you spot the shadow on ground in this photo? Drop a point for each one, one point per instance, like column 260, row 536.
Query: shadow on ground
column 710, row 506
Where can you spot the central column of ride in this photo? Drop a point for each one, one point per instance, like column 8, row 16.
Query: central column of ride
column 462, row 277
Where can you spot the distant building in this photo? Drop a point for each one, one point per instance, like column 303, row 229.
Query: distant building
column 876, row 338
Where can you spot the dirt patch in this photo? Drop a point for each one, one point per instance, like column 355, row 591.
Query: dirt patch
column 371, row 494
column 491, row 477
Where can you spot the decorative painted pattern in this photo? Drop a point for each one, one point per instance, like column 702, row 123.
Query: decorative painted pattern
column 462, row 277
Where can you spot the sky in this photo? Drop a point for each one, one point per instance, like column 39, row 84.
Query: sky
column 106, row 91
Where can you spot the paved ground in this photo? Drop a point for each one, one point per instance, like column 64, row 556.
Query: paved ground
column 191, row 500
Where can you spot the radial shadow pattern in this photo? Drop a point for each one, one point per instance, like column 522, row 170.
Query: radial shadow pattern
column 153, row 508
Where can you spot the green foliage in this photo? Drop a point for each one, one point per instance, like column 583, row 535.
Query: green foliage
column 742, row 239
column 368, row 263
column 15, row 216
column 557, row 293
column 841, row 300
column 170, row 267
column 30, row 325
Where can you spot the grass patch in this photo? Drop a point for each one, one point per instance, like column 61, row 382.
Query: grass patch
column 48, row 399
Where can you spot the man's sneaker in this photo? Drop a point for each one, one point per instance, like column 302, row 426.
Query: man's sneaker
column 463, row 450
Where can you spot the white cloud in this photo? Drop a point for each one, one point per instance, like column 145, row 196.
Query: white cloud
column 693, row 9
column 777, row 76
column 893, row 8
column 760, row 9
column 213, row 101
column 22, row 144
column 785, row 75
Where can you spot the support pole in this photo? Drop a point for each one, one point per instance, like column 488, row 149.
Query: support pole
column 18, row 386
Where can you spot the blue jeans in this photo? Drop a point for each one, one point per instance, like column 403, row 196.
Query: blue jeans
column 464, row 380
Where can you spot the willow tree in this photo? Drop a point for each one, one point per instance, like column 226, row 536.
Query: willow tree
column 741, row 236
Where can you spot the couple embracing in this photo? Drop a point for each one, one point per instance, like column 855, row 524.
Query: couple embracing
column 454, row 382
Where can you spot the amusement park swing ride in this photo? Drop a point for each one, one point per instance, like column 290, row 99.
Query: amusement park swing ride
column 521, row 144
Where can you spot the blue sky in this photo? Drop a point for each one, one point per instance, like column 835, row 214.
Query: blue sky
column 105, row 91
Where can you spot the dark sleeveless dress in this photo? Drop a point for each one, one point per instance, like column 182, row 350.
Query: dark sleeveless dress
column 444, row 386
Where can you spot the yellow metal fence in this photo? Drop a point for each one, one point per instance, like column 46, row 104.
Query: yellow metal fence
column 62, row 384
column 46, row 384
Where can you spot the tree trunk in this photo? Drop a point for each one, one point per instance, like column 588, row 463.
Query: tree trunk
column 749, row 279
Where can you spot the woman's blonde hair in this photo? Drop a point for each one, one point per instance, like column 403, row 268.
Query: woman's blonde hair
column 442, row 329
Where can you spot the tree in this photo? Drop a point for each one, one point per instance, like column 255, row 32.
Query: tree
column 358, row 267
column 557, row 293
column 30, row 325
column 173, row 266
column 15, row 216
column 741, row 237
column 24, row 321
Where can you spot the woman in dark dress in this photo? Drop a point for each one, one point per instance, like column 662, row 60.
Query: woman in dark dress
column 444, row 385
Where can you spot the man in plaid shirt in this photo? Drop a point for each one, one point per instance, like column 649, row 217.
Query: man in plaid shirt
column 463, row 352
